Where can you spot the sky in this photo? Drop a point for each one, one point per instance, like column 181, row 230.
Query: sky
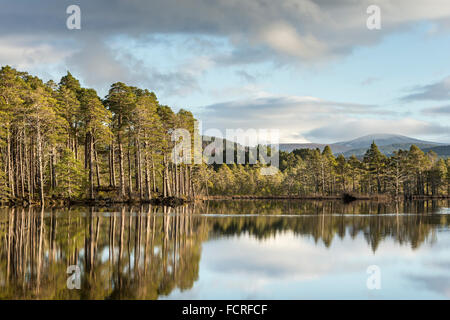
column 308, row 68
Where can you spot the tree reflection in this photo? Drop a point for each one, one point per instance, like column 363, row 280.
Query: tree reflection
column 146, row 252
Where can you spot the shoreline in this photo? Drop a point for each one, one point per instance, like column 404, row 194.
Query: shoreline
column 336, row 197
column 168, row 201
column 177, row 201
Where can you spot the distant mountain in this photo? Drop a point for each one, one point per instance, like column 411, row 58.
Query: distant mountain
column 381, row 139
column 387, row 144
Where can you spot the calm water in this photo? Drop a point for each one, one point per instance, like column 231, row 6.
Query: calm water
column 228, row 250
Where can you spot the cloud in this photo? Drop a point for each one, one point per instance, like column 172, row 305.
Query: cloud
column 442, row 110
column 101, row 64
column 305, row 119
column 351, row 128
column 246, row 76
column 27, row 52
column 369, row 81
column 436, row 91
column 274, row 105
column 285, row 39
column 294, row 116
column 436, row 283
column 290, row 31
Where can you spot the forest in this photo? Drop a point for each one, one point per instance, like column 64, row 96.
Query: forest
column 406, row 174
column 60, row 141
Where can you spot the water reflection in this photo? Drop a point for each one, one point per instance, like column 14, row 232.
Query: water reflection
column 150, row 252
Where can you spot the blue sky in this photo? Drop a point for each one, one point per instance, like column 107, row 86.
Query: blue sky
column 309, row 68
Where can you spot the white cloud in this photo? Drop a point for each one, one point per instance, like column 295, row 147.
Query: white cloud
column 348, row 128
column 27, row 53
column 284, row 39
column 311, row 119
column 304, row 118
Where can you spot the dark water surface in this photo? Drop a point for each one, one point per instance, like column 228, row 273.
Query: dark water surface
column 228, row 250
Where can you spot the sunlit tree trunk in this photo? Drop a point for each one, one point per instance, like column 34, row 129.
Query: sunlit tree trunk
column 97, row 168
column 121, row 174
column 39, row 155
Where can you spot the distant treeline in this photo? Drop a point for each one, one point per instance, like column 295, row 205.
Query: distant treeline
column 305, row 172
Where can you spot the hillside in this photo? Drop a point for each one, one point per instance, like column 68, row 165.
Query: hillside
column 441, row 151
column 387, row 144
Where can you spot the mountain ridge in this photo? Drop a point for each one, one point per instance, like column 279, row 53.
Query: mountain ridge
column 386, row 142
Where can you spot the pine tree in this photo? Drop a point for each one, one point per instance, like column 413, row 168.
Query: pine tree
column 121, row 102
column 375, row 162
column 355, row 170
column 72, row 176
column 95, row 119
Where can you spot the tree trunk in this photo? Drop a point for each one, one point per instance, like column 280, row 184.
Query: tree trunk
column 167, row 190
column 147, row 175
column 89, row 147
column 22, row 166
column 9, row 162
column 113, row 164
column 97, row 169
column 39, row 155
column 153, row 174
column 130, row 180
column 121, row 175
column 138, row 167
